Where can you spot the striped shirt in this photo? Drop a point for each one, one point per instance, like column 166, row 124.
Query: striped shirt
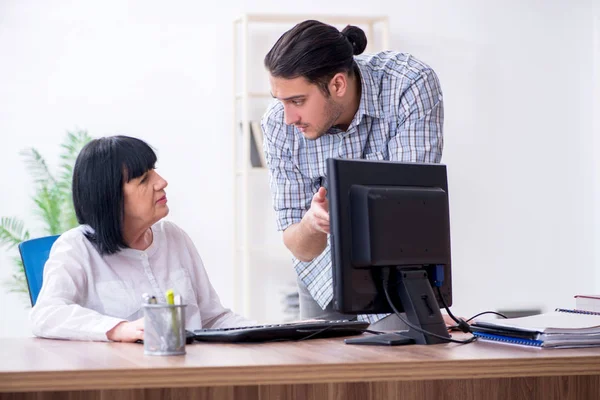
column 400, row 117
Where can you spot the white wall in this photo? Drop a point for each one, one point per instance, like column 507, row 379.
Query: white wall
column 596, row 137
column 517, row 79
column 519, row 131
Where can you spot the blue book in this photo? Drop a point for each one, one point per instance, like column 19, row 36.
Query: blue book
column 509, row 339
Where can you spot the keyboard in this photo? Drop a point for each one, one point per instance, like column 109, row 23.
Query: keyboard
column 302, row 330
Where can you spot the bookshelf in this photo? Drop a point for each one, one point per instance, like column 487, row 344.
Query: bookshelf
column 263, row 270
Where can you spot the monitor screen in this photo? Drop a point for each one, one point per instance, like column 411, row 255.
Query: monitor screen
column 388, row 218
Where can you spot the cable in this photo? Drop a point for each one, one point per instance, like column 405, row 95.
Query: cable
column 375, row 332
column 446, row 306
column 387, row 295
column 487, row 312
column 461, row 324
column 318, row 332
column 313, row 334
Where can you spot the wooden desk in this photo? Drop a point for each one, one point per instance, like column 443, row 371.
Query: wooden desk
column 315, row 369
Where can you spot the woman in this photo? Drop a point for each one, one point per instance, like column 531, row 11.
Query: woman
column 96, row 273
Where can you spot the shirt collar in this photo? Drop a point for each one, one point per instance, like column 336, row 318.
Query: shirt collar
column 369, row 99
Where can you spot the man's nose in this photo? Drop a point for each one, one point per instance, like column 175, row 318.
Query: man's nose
column 290, row 117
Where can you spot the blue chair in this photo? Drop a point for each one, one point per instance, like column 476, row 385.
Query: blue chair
column 34, row 253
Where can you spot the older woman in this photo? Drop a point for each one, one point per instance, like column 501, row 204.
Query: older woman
column 97, row 272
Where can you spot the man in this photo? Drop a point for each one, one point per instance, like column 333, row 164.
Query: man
column 386, row 106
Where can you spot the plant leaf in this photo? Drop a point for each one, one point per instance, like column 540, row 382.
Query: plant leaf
column 52, row 198
column 12, row 232
column 49, row 208
column 71, row 149
column 38, row 168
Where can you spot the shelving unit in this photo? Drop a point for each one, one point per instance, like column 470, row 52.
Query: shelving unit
column 263, row 266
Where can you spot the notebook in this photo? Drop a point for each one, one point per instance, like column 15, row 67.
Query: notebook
column 587, row 302
column 558, row 329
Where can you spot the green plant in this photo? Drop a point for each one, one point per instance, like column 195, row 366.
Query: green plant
column 52, row 199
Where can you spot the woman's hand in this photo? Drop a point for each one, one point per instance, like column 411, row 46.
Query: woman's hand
column 453, row 326
column 127, row 331
column 448, row 320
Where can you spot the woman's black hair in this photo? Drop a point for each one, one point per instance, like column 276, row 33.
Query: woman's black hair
column 101, row 169
column 315, row 51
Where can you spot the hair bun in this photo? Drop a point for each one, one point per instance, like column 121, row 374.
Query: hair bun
column 356, row 37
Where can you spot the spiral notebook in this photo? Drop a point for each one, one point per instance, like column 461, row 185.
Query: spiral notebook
column 558, row 329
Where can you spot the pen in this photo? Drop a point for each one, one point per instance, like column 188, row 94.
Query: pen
column 152, row 335
column 170, row 295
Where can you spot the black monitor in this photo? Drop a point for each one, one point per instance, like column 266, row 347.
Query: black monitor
column 390, row 228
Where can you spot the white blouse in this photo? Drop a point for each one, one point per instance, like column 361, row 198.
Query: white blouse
column 84, row 294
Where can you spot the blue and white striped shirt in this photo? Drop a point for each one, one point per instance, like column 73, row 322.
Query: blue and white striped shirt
column 400, row 117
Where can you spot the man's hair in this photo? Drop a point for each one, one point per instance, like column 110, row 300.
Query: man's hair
column 101, row 169
column 315, row 51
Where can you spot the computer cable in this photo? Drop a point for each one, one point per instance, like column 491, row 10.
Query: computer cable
column 423, row 331
column 320, row 331
column 461, row 324
column 487, row 312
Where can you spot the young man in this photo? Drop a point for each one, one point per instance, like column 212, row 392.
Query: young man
column 334, row 103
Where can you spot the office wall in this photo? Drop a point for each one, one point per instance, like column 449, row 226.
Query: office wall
column 517, row 79
column 596, row 137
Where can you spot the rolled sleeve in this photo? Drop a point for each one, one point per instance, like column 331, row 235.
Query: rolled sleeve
column 291, row 191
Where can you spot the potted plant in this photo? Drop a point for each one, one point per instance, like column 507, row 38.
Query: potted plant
column 52, row 199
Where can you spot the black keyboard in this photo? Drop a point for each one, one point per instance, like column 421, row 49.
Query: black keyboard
column 286, row 331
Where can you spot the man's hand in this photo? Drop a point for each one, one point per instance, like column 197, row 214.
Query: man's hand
column 317, row 216
column 127, row 331
column 308, row 238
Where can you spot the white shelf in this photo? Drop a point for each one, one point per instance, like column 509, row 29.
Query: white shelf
column 293, row 18
column 254, row 95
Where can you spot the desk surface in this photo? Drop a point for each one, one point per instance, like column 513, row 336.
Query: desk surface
column 38, row 364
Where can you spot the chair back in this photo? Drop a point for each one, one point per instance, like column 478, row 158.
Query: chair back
column 34, row 253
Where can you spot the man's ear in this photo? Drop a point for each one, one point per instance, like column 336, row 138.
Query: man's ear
column 338, row 84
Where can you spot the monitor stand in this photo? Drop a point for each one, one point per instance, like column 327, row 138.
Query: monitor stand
column 421, row 307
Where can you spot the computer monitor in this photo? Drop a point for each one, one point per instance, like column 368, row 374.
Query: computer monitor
column 390, row 228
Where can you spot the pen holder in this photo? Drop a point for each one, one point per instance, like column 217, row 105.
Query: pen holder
column 164, row 329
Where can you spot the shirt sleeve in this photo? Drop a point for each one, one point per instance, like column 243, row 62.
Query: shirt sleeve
column 292, row 192
column 57, row 313
column 420, row 124
column 212, row 312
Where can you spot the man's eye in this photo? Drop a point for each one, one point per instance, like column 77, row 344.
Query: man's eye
column 297, row 102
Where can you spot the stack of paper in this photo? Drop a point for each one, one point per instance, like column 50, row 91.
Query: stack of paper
column 558, row 329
